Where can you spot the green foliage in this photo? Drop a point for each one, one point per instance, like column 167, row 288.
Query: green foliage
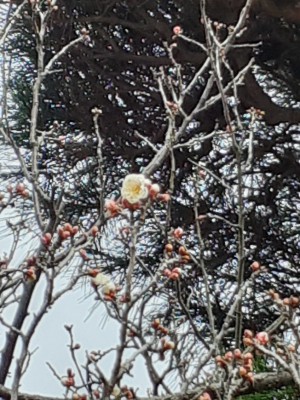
column 288, row 393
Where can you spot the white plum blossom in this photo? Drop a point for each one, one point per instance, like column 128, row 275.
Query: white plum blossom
column 106, row 285
column 135, row 188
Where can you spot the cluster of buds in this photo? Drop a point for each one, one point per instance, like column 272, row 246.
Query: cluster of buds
column 244, row 361
column 69, row 380
column 219, row 25
column 20, row 190
column 67, row 231
column 261, row 338
column 275, row 296
column 292, row 301
column 182, row 256
column 283, row 351
column 156, row 325
column 256, row 113
column 173, row 274
column 112, row 208
column 135, row 191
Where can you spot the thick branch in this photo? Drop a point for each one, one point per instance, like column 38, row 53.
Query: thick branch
column 262, row 382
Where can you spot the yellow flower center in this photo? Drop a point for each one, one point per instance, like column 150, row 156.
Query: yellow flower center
column 136, row 188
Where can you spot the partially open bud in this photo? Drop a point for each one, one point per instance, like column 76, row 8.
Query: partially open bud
column 46, row 239
column 178, row 233
column 262, row 338
column 168, row 346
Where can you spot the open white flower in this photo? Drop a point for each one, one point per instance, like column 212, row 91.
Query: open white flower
column 134, row 188
column 103, row 281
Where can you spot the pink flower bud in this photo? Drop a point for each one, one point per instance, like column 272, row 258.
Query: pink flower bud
column 262, row 338
column 177, row 30
column 167, row 272
column 178, row 233
column 255, row 266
